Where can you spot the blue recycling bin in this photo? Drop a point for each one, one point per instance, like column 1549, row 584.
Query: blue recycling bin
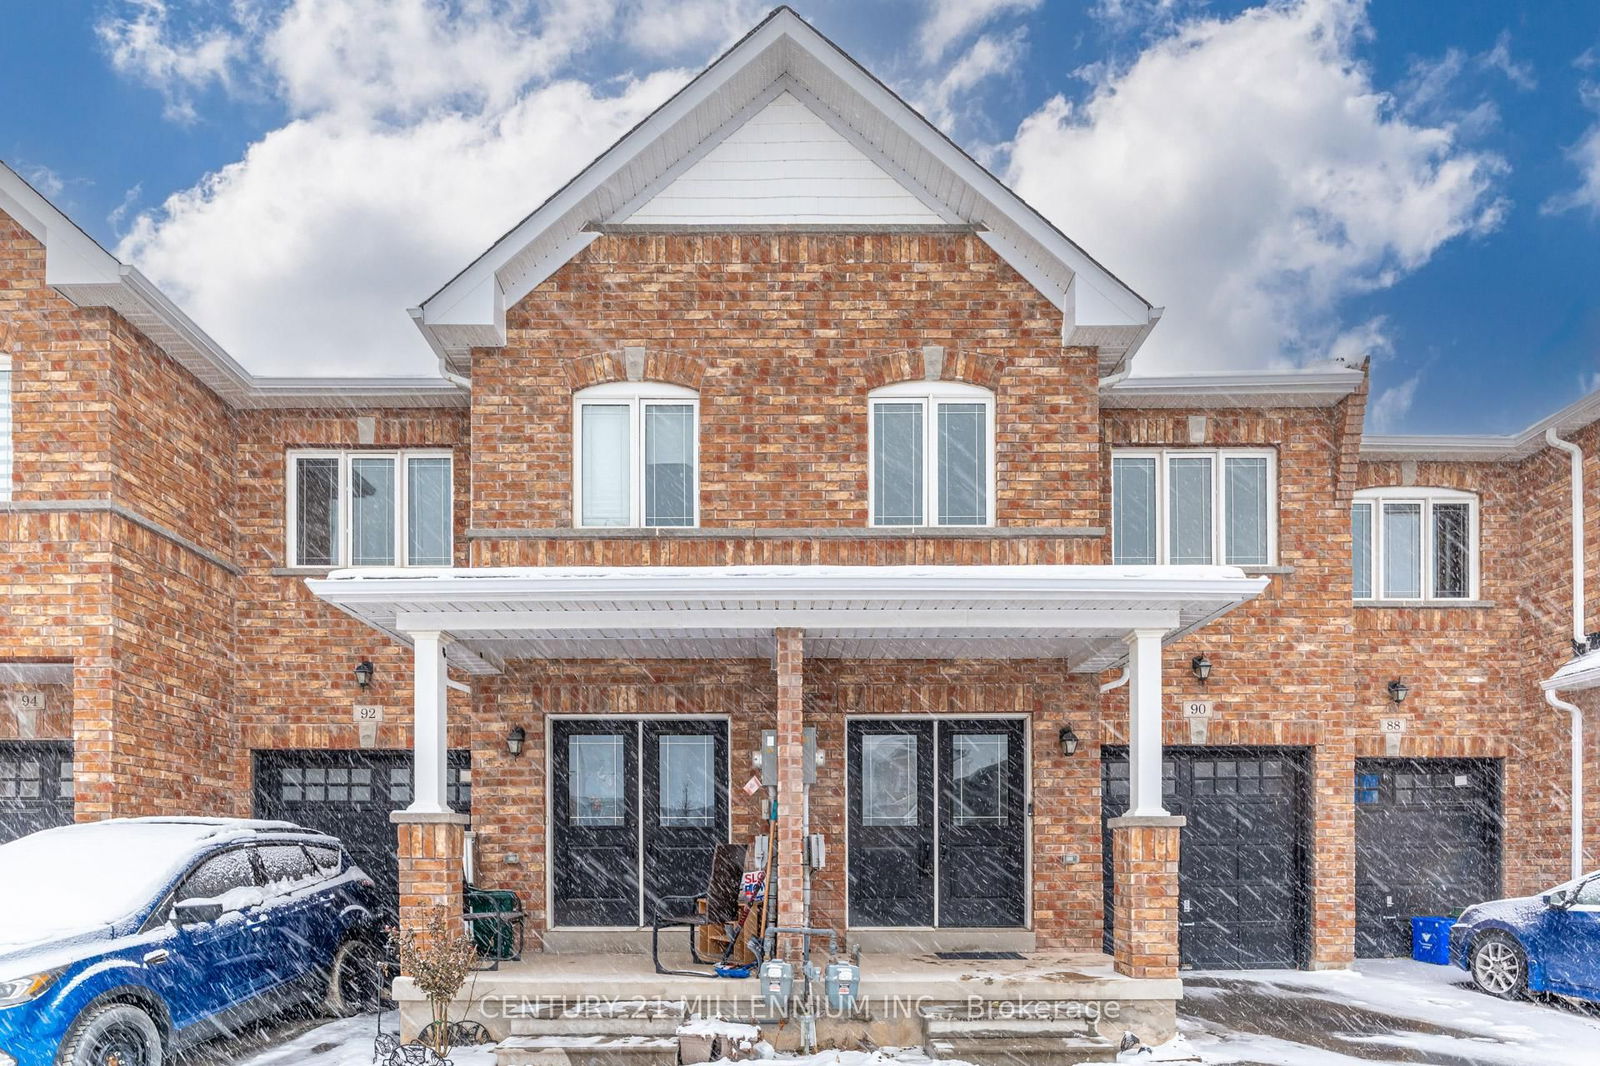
column 1430, row 940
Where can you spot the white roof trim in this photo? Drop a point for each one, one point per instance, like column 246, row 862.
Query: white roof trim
column 83, row 272
column 1082, row 613
column 1098, row 309
column 1580, row 673
column 1316, row 387
column 1467, row 447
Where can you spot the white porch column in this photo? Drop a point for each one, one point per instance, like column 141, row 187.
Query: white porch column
column 1144, row 723
column 428, row 741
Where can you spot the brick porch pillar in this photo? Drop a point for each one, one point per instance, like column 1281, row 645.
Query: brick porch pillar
column 1145, row 895
column 432, row 863
column 790, row 895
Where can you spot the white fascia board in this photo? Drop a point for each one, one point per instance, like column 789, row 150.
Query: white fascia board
column 1056, row 615
column 1284, row 388
column 290, row 392
column 1444, row 448
column 1581, row 673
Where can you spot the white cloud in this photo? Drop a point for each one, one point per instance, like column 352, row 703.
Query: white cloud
column 951, row 21
column 989, row 55
column 142, row 43
column 1390, row 407
column 1247, row 174
column 1584, row 155
column 673, row 27
column 47, row 182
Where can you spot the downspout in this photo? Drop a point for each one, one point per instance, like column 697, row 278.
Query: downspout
column 1575, row 455
column 1118, row 683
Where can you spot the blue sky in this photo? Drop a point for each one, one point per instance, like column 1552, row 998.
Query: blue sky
column 1417, row 181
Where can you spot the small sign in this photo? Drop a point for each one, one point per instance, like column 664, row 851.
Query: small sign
column 752, row 786
column 1392, row 725
column 367, row 713
column 28, row 701
column 1197, row 708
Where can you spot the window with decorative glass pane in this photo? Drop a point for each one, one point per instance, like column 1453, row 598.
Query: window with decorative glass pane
column 1193, row 506
column 637, row 455
column 932, row 451
column 1414, row 544
column 370, row 508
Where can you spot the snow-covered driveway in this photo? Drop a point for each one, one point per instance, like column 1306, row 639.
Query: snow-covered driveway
column 1388, row 1011
column 1383, row 1011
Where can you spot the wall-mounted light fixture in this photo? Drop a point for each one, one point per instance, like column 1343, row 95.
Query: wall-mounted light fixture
column 364, row 672
column 1200, row 667
column 515, row 740
column 1398, row 691
column 1069, row 741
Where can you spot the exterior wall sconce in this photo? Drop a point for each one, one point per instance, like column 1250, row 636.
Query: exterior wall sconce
column 515, row 740
column 1200, row 667
column 1069, row 741
column 364, row 672
column 1398, row 691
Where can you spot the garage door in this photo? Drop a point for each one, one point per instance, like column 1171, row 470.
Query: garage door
column 350, row 794
column 1243, row 862
column 35, row 786
column 1427, row 842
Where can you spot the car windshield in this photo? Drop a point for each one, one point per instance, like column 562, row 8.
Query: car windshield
column 83, row 877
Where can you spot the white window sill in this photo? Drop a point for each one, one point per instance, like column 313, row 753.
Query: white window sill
column 1432, row 604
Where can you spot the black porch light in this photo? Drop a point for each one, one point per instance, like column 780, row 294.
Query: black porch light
column 515, row 740
column 1398, row 691
column 364, row 672
column 1200, row 667
column 1069, row 741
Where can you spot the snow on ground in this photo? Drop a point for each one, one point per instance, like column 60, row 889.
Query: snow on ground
column 1383, row 1012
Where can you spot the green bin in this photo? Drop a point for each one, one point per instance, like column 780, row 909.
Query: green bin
column 498, row 935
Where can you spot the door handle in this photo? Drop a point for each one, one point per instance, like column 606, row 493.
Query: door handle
column 157, row 957
column 925, row 860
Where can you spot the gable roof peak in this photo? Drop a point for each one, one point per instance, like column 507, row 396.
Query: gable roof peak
column 785, row 53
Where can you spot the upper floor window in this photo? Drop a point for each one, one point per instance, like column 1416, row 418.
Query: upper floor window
column 1194, row 506
column 1414, row 544
column 637, row 456
column 370, row 508
column 5, row 428
column 932, row 454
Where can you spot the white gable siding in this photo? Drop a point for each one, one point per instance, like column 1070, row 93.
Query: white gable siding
column 784, row 165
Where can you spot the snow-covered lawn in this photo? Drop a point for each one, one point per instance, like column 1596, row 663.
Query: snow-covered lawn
column 1382, row 1012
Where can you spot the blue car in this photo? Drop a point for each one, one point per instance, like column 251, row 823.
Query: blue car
column 1546, row 943
column 123, row 940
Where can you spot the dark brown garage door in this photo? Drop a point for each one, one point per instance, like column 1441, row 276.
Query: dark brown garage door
column 1242, row 865
column 1427, row 843
column 35, row 786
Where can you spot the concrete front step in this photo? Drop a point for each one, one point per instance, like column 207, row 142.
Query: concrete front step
column 600, row 1008
column 587, row 1051
column 1006, row 1028
column 1023, row 1050
column 577, row 1025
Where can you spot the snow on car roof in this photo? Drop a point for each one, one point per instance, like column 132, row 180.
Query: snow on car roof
column 80, row 878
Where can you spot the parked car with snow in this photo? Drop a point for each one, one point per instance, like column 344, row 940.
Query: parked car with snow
column 1545, row 943
column 125, row 939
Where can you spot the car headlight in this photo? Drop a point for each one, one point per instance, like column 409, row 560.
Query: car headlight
column 24, row 989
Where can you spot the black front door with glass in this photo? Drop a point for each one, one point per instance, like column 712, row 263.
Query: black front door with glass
column 637, row 809
column 937, row 822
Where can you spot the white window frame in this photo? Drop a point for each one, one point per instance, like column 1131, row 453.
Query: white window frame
column 1377, row 498
column 638, row 396
column 1219, row 502
column 401, row 459
column 930, row 394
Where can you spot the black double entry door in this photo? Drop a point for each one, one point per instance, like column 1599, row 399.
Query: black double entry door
column 937, row 822
column 637, row 809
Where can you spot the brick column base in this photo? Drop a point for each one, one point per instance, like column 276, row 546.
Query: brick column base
column 1145, row 896
column 432, row 863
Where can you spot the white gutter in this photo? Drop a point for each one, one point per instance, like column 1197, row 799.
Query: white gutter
column 1118, row 683
column 1575, row 455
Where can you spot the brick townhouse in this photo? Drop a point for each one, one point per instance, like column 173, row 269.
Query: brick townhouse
column 785, row 415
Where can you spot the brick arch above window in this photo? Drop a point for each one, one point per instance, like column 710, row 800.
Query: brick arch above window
column 602, row 368
column 983, row 369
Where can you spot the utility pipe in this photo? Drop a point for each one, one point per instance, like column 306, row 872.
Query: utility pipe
column 1127, row 672
column 1575, row 458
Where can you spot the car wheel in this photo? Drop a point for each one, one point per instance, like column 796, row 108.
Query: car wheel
column 112, row 1034
column 355, row 979
column 1499, row 966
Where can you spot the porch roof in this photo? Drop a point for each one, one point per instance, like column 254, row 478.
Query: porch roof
column 1082, row 614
